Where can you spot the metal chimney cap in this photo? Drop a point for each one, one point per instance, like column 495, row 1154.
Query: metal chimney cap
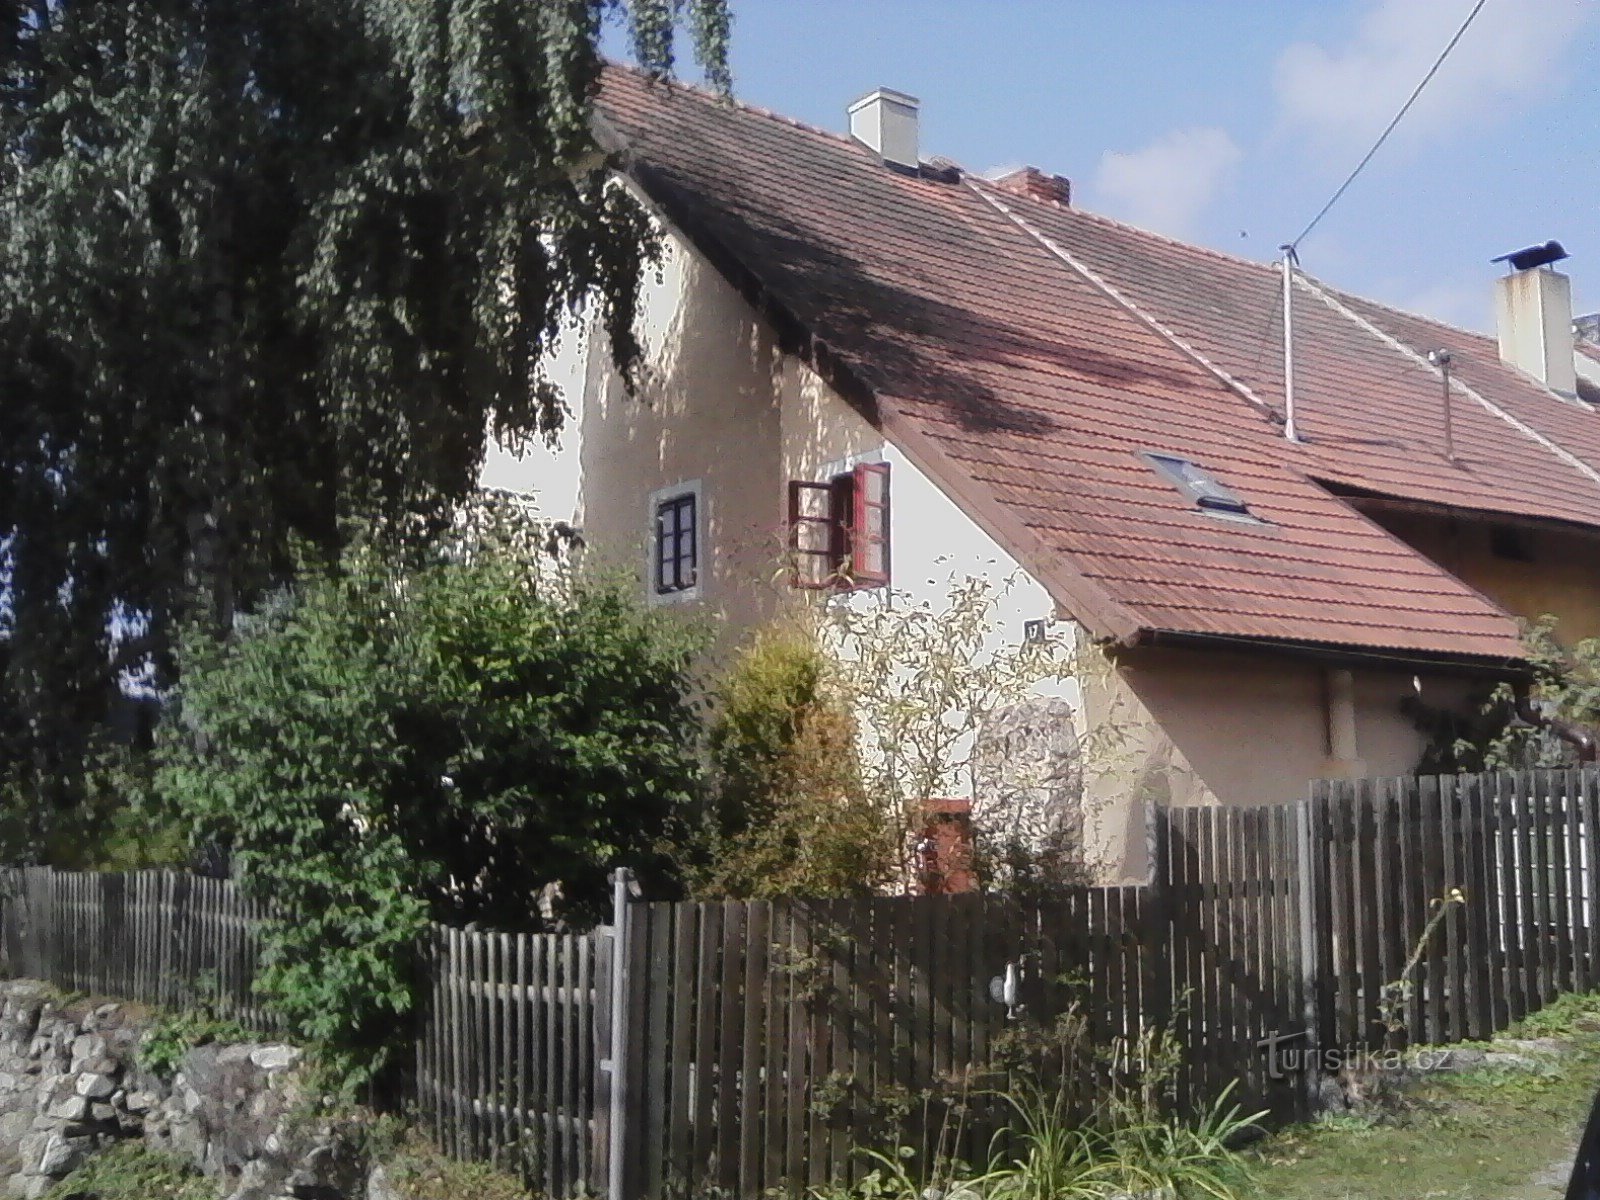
column 1530, row 257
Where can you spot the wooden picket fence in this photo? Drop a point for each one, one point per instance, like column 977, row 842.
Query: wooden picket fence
column 158, row 937
column 771, row 1039
column 506, row 1051
column 763, row 1042
column 1520, row 848
column 1272, row 940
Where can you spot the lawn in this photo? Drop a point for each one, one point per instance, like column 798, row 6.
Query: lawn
column 1484, row 1134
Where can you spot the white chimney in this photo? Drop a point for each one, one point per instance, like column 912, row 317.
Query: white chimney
column 886, row 122
column 1533, row 313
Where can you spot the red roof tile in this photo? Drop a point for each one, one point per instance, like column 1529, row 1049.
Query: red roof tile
column 1025, row 353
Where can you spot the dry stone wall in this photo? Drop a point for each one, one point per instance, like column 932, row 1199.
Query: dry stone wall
column 70, row 1084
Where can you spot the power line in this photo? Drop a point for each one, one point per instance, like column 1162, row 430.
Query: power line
column 1398, row 117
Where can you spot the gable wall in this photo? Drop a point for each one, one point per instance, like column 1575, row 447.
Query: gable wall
column 720, row 404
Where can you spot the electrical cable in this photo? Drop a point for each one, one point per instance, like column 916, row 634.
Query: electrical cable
column 1398, row 117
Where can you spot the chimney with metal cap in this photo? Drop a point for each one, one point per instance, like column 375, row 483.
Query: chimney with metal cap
column 885, row 121
column 1533, row 316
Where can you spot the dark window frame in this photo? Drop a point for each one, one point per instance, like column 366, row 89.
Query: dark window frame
column 1511, row 543
column 676, row 556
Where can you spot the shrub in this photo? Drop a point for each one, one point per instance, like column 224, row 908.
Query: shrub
column 457, row 734
column 791, row 815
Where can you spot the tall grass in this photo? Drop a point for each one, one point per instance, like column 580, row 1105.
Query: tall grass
column 1126, row 1152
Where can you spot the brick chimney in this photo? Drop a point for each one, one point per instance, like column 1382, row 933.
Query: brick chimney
column 1037, row 185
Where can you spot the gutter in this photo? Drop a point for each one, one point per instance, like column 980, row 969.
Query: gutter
column 1508, row 669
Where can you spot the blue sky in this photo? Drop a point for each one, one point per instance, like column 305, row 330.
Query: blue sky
column 1230, row 123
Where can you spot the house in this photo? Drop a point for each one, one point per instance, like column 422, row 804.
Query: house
column 875, row 369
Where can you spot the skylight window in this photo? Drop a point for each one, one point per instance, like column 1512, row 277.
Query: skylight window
column 1203, row 488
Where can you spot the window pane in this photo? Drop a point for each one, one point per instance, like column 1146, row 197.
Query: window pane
column 877, row 486
column 872, row 560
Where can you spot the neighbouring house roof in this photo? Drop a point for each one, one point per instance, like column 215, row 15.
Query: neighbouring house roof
column 1024, row 354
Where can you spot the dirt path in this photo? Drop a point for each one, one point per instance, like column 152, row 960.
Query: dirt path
column 1550, row 1183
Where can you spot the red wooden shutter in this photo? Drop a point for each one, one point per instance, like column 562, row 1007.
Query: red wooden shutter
column 812, row 535
column 869, row 540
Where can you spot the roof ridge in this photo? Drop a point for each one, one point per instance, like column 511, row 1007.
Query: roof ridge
column 1345, row 294
column 1050, row 246
column 730, row 100
column 1116, row 223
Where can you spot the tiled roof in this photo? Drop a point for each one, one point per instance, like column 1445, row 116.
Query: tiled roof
column 1024, row 353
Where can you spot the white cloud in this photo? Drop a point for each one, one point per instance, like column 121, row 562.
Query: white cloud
column 1167, row 185
column 1350, row 91
column 1467, row 303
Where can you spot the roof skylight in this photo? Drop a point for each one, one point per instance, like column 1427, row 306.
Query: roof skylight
column 1203, row 488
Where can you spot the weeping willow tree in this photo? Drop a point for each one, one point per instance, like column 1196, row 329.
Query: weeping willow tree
column 268, row 266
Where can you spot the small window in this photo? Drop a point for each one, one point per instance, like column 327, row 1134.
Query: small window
column 839, row 530
column 677, row 544
column 1208, row 495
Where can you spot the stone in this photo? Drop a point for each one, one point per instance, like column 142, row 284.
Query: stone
column 30, row 1150
column 379, row 1187
column 1458, row 1058
column 102, row 1113
column 63, row 1154
column 139, row 1102
column 1540, row 1045
column 86, row 1046
column 95, row 1087
column 72, row 1108
column 1507, row 1061
column 275, row 1058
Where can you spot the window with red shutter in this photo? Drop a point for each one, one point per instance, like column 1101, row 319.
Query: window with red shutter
column 839, row 530
column 869, row 531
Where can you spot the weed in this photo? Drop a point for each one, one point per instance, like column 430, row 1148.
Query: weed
column 1478, row 1134
column 1573, row 1013
column 169, row 1039
column 417, row 1171
column 132, row 1171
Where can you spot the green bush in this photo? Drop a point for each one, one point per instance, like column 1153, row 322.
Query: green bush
column 448, row 737
column 791, row 815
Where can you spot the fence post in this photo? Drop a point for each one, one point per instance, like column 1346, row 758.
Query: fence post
column 1307, row 831
column 623, row 890
column 1156, row 954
